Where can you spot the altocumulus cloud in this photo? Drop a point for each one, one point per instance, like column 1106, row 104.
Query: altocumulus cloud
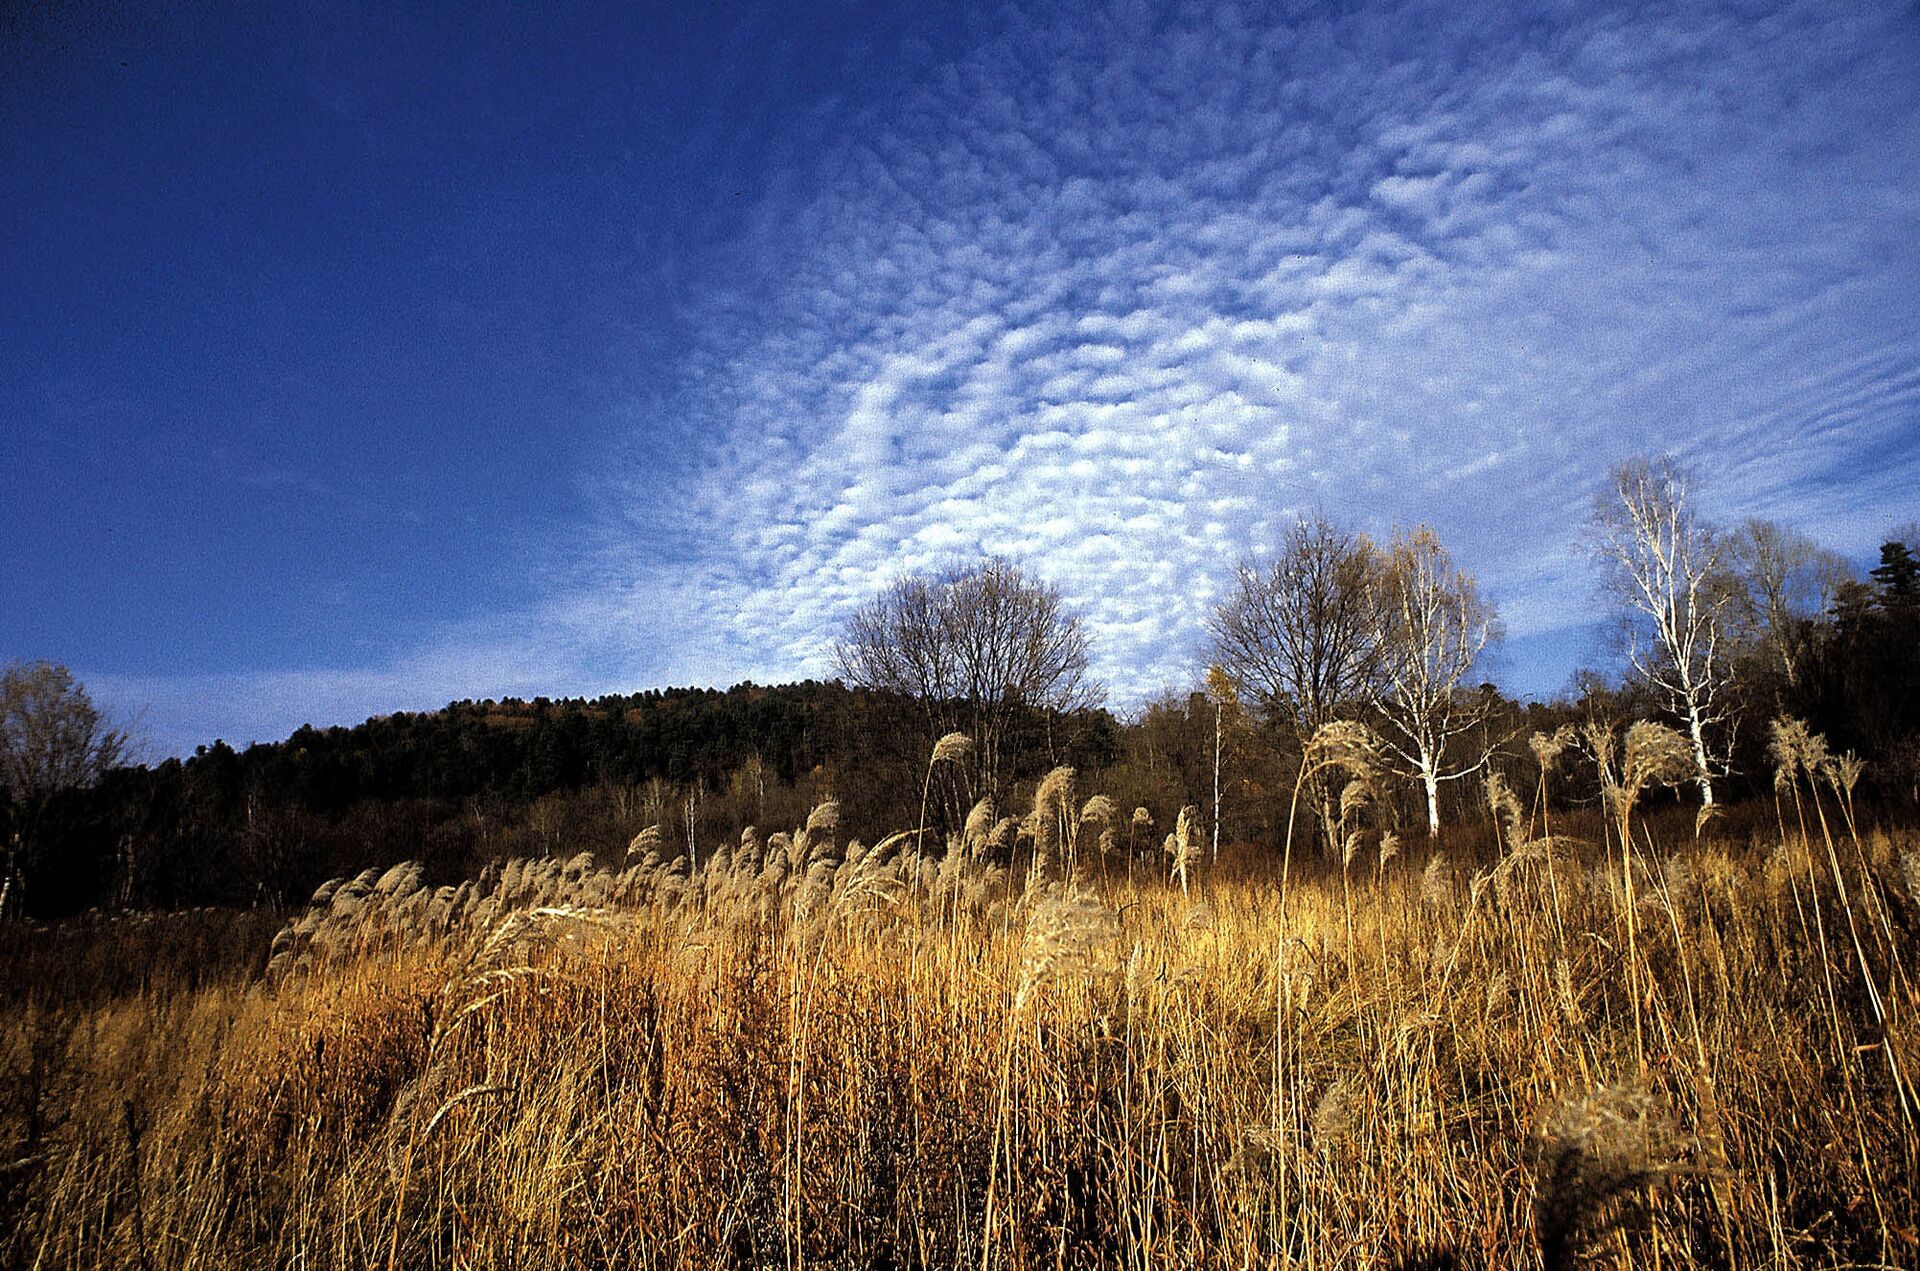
column 1118, row 292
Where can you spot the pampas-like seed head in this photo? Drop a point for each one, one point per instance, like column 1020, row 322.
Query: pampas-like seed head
column 1337, row 1114
column 646, row 841
column 1601, row 744
column 1054, row 792
column 1505, row 806
column 1184, row 843
column 1846, row 772
column 1067, row 931
column 1797, row 750
column 1345, row 743
column 953, row 748
column 1099, row 809
column 1595, row 1151
column 1654, row 755
column 1548, row 747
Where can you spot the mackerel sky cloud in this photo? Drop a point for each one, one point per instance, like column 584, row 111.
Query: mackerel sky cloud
column 1120, row 296
column 1119, row 291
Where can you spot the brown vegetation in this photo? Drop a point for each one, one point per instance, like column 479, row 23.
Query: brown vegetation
column 808, row 1051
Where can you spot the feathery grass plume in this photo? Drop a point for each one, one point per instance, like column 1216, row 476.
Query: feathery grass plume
column 1602, row 747
column 1355, row 796
column 402, row 880
column 1055, row 790
column 1342, row 743
column 1183, row 845
column 825, row 818
column 1052, row 806
column 1509, row 819
column 1348, row 744
column 647, row 842
column 815, row 890
column 1336, row 1114
column 1653, row 755
column 1847, row 771
column 1100, row 810
column 952, row 748
column 1436, row 880
column 1598, row 1153
column 1548, row 747
column 1139, row 826
column 350, row 899
column 1796, row 750
column 976, row 836
column 1844, row 774
column 1708, row 813
column 1389, row 847
column 1068, row 932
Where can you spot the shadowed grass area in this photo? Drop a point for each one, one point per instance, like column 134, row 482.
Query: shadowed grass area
column 812, row 1052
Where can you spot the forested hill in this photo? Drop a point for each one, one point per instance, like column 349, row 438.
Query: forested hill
column 521, row 750
column 481, row 779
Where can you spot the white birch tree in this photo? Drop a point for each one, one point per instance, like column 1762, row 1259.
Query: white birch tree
column 1667, row 568
column 1433, row 628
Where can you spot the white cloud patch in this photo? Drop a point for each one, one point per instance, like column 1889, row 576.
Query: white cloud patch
column 1121, row 319
column 1119, row 295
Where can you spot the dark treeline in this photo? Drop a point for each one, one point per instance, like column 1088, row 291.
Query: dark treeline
column 478, row 781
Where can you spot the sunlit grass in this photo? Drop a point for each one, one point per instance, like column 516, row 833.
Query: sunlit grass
column 809, row 1052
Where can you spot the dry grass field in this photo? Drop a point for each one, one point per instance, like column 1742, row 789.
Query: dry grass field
column 1012, row 1049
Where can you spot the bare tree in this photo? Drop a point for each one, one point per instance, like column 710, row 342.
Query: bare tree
column 52, row 739
column 1787, row 582
column 1300, row 633
column 976, row 645
column 1667, row 568
column 1224, row 696
column 1433, row 628
column 1301, row 636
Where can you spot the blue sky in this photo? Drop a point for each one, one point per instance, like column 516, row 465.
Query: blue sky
column 353, row 361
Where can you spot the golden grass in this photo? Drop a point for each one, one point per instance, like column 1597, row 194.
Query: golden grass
column 810, row 1052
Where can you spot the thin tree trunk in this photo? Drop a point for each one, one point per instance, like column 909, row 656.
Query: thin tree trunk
column 1216, row 780
column 1700, row 754
column 1431, row 780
